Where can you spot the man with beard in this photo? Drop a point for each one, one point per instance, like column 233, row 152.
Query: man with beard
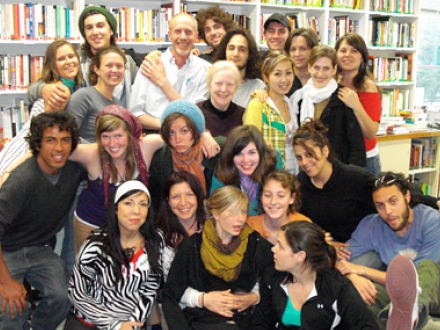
column 409, row 231
column 176, row 74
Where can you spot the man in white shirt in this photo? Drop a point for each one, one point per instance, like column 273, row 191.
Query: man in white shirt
column 177, row 74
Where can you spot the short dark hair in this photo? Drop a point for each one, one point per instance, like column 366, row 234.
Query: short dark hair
column 64, row 121
column 253, row 67
column 308, row 34
column 166, row 125
column 215, row 13
column 387, row 179
column 174, row 233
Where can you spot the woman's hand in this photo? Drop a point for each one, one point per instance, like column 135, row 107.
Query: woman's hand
column 260, row 94
column 209, row 146
column 243, row 301
column 130, row 325
column 350, row 98
column 220, row 302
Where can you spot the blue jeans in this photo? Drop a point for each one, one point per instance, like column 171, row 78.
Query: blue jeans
column 47, row 273
column 373, row 165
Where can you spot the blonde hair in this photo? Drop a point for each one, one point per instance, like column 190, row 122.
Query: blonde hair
column 224, row 197
column 223, row 66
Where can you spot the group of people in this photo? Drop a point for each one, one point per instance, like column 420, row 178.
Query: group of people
column 242, row 194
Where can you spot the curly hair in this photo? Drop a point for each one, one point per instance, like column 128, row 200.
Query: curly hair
column 173, row 231
column 253, row 66
column 64, row 121
column 289, row 182
column 237, row 140
column 315, row 132
column 215, row 13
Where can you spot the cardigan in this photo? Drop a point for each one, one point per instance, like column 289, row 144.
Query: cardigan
column 333, row 304
column 188, row 270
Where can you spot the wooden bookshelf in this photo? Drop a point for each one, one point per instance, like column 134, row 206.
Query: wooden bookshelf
column 395, row 155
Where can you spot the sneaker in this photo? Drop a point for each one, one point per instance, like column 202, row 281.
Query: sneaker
column 403, row 288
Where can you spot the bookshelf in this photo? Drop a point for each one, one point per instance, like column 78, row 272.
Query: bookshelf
column 397, row 154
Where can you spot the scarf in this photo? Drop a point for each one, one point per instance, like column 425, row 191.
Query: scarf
column 309, row 96
column 136, row 130
column 191, row 163
column 249, row 186
column 70, row 84
column 221, row 260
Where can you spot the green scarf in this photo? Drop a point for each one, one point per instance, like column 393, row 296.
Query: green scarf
column 221, row 260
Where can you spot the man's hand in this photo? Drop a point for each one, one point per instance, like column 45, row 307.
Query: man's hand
column 341, row 248
column 365, row 287
column 55, row 95
column 210, row 147
column 13, row 294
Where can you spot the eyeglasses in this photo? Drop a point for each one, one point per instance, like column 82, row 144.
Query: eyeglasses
column 385, row 180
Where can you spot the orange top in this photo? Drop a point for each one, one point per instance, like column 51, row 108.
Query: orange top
column 256, row 222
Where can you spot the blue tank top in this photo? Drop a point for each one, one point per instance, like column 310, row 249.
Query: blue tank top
column 291, row 315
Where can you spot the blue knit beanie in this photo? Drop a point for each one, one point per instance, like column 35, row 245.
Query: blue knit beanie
column 188, row 109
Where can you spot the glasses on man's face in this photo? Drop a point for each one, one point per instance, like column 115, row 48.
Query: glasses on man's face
column 385, row 180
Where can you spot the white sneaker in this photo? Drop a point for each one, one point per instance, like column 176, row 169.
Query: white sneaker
column 402, row 286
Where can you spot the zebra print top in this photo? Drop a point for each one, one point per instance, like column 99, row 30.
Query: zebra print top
column 98, row 301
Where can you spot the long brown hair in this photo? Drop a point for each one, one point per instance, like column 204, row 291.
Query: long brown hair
column 50, row 73
column 236, row 141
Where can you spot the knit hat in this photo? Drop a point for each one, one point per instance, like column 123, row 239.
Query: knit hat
column 108, row 15
column 136, row 130
column 279, row 18
column 129, row 186
column 188, row 109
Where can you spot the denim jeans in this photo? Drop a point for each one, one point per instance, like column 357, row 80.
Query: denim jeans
column 47, row 273
column 373, row 165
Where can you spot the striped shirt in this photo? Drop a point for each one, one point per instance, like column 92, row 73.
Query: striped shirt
column 98, row 301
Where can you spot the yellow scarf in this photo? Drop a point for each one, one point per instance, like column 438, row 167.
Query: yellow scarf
column 221, row 260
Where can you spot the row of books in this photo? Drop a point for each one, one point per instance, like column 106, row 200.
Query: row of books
column 423, row 153
column 297, row 20
column 12, row 119
column 393, row 6
column 394, row 100
column 383, row 31
column 34, row 21
column 392, row 69
column 349, row 4
column 339, row 26
column 311, row 3
column 19, row 71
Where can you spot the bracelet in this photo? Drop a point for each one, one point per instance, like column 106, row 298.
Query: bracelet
column 203, row 300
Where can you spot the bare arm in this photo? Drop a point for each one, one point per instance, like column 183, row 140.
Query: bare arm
column 346, row 267
column 149, row 122
column 14, row 165
column 149, row 145
column 12, row 292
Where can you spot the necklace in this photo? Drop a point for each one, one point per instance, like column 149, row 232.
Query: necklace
column 129, row 251
column 121, row 177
